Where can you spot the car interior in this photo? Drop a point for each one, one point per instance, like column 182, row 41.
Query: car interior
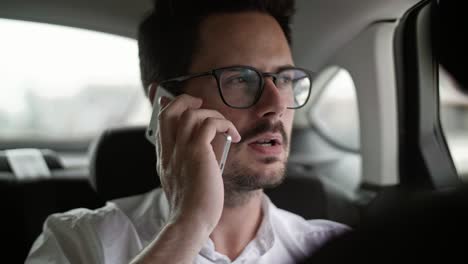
column 385, row 121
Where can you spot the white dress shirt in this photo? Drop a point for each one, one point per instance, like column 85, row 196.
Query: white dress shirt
column 117, row 232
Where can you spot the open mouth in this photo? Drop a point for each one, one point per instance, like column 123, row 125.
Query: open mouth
column 267, row 142
column 270, row 145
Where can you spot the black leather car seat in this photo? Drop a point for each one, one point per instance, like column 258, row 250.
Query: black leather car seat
column 25, row 202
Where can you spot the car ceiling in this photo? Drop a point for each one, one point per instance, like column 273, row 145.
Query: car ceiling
column 320, row 26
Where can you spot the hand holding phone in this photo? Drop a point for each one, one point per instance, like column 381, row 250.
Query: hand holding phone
column 154, row 123
column 191, row 156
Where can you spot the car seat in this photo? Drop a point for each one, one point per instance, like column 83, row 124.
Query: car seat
column 27, row 201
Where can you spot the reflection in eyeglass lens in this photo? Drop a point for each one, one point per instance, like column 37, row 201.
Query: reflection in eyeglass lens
column 294, row 85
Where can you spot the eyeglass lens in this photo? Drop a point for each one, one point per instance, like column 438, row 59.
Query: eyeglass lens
column 240, row 87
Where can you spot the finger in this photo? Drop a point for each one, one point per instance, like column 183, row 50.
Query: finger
column 191, row 120
column 181, row 103
column 212, row 126
column 168, row 123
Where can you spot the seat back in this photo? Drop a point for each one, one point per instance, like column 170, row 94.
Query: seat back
column 123, row 163
column 25, row 202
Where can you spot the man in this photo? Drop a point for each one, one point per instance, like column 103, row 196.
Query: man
column 230, row 64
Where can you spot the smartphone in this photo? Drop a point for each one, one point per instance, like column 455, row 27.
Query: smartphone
column 227, row 145
column 154, row 122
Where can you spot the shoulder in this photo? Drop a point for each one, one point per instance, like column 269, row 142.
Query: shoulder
column 135, row 206
column 127, row 214
column 306, row 236
column 117, row 212
column 297, row 224
column 79, row 225
column 71, row 233
column 79, row 218
column 88, row 234
column 327, row 226
column 124, row 208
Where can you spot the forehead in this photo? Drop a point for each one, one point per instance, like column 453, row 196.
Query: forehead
column 246, row 38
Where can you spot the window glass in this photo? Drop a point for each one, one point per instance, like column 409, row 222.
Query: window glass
column 454, row 119
column 66, row 84
column 335, row 113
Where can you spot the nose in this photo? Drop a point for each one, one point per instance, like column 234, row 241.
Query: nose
column 271, row 103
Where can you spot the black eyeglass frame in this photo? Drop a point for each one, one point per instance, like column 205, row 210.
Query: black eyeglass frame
column 217, row 74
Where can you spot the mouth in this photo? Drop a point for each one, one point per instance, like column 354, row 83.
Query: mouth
column 267, row 144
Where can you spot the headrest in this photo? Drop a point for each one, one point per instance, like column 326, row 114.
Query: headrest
column 123, row 163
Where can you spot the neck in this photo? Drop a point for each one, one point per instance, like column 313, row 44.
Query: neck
column 238, row 226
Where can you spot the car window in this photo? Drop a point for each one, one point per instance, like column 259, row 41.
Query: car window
column 454, row 119
column 335, row 113
column 66, row 84
column 332, row 148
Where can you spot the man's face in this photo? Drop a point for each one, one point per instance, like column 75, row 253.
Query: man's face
column 256, row 40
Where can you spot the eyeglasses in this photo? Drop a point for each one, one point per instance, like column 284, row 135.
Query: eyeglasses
column 242, row 86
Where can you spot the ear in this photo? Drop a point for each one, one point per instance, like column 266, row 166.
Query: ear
column 152, row 91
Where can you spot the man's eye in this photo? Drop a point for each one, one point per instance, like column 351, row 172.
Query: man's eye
column 236, row 80
column 285, row 79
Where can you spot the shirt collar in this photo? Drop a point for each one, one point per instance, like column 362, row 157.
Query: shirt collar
column 261, row 244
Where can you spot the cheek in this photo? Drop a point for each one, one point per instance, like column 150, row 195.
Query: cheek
column 288, row 118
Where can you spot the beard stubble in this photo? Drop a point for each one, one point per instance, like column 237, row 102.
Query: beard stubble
column 241, row 182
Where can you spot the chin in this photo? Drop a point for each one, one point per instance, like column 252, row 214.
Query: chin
column 271, row 180
column 241, row 181
column 267, row 173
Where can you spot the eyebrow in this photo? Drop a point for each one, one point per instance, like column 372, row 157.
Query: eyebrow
column 282, row 67
column 275, row 69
